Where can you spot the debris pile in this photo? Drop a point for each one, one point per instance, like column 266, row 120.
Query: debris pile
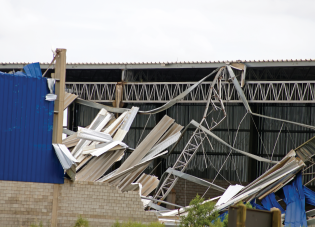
column 96, row 148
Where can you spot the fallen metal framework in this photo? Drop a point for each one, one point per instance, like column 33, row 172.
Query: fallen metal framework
column 100, row 144
column 161, row 92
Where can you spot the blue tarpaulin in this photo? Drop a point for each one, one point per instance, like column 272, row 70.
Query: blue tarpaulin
column 294, row 198
column 270, row 201
column 309, row 196
column 257, row 206
column 26, row 122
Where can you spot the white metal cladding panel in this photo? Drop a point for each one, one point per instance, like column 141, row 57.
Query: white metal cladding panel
column 184, row 113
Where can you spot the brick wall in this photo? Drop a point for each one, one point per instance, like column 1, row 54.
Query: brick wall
column 24, row 203
column 185, row 193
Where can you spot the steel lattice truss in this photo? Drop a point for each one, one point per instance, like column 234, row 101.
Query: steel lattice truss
column 162, row 92
column 181, row 163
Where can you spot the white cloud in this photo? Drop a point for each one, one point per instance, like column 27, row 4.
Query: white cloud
column 145, row 31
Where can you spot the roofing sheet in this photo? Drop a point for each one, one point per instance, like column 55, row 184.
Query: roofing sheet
column 166, row 64
column 171, row 62
column 26, row 123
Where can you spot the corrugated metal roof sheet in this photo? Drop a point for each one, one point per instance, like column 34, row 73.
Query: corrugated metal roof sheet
column 26, row 122
column 167, row 62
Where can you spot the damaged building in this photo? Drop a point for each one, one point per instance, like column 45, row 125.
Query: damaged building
column 238, row 131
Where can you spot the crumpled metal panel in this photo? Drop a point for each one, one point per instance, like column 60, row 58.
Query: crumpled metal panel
column 306, row 150
column 26, row 123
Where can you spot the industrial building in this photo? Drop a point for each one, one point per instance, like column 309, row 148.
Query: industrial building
column 281, row 89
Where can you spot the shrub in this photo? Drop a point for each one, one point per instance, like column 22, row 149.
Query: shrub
column 37, row 225
column 81, row 222
column 202, row 214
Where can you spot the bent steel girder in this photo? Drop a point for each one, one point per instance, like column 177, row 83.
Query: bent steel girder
column 191, row 147
column 247, row 107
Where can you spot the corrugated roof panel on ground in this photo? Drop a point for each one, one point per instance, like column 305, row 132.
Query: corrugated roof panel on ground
column 26, row 122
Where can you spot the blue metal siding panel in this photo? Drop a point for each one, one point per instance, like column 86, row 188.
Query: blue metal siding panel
column 26, row 122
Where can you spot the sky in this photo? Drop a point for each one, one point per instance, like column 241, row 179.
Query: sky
column 156, row 31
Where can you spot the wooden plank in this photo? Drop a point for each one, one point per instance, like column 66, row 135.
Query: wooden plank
column 54, row 213
column 60, row 76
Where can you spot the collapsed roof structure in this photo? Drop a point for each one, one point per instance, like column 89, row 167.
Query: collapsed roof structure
column 99, row 151
column 96, row 148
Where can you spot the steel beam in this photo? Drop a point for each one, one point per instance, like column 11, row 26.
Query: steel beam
column 163, row 92
column 194, row 179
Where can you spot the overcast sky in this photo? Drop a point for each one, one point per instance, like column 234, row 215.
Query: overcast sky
column 145, row 31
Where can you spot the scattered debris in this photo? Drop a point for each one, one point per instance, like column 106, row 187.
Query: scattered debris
column 97, row 147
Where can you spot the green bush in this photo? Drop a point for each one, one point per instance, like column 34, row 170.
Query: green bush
column 202, row 214
column 81, row 222
column 136, row 224
column 37, row 225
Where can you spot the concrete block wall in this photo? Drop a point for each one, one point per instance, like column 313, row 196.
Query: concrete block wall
column 186, row 190
column 25, row 203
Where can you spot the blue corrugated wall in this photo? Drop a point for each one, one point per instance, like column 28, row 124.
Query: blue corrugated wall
column 26, row 123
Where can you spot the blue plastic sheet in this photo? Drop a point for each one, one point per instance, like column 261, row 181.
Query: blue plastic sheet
column 270, row 201
column 294, row 198
column 26, row 123
column 222, row 216
column 309, row 196
column 257, row 206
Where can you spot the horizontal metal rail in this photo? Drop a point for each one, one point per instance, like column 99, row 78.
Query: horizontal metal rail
column 162, row 92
